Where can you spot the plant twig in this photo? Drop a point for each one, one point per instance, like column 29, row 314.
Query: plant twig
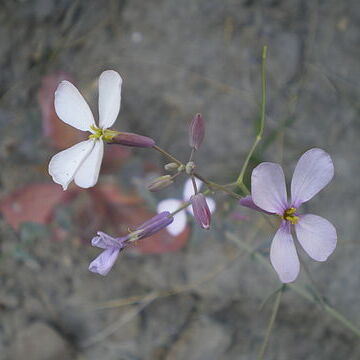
column 295, row 287
column 259, row 135
column 210, row 184
column 271, row 324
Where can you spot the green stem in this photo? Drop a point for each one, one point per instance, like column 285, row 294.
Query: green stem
column 293, row 286
column 271, row 324
column 259, row 135
column 211, row 185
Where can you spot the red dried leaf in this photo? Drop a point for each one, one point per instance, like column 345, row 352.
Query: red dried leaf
column 33, row 203
column 113, row 194
column 114, row 157
column 60, row 135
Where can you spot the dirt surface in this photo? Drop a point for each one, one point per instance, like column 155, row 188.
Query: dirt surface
column 178, row 58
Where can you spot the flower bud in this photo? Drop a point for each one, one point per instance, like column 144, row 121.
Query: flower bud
column 171, row 166
column 155, row 224
column 201, row 210
column 189, row 168
column 160, row 183
column 130, row 139
column 196, row 131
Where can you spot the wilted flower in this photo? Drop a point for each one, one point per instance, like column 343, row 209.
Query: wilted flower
column 171, row 205
column 316, row 235
column 196, row 131
column 112, row 246
column 201, row 210
column 82, row 161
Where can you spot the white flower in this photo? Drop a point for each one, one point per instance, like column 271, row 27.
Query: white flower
column 82, row 161
column 179, row 223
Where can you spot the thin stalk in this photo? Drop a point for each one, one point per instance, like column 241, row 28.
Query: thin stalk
column 211, row 185
column 259, row 135
column 271, row 324
column 293, row 286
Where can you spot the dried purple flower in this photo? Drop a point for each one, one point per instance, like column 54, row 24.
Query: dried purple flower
column 201, row 210
column 112, row 246
column 196, row 131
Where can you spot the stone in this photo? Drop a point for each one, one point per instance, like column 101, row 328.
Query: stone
column 39, row 341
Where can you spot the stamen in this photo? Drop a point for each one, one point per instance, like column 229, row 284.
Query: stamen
column 289, row 215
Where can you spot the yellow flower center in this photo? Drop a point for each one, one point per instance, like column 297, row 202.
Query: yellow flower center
column 289, row 215
column 104, row 134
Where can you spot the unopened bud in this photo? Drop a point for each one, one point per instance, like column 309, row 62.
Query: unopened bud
column 181, row 168
column 171, row 166
column 189, row 168
column 155, row 224
column 201, row 210
column 196, row 131
column 130, row 139
column 160, row 183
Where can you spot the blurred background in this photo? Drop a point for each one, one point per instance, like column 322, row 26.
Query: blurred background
column 198, row 295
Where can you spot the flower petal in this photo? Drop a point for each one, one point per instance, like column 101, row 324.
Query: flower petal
column 88, row 173
column 105, row 241
column 104, row 262
column 63, row 165
column 109, row 98
column 248, row 202
column 317, row 236
column 72, row 108
column 283, row 254
column 313, row 172
column 268, row 188
column 179, row 223
column 189, row 189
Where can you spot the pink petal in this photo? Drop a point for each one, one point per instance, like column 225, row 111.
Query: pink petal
column 248, row 202
column 104, row 262
column 179, row 223
column 283, row 254
column 268, row 188
column 317, row 236
column 313, row 172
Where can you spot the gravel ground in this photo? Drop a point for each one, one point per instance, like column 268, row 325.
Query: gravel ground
column 178, row 58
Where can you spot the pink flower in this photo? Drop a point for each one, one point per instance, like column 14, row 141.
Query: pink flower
column 316, row 235
column 171, row 205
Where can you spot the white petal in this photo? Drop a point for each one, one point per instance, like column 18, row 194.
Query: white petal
column 268, row 188
column 317, row 236
column 72, row 108
column 179, row 223
column 189, row 189
column 88, row 172
column 283, row 254
column 63, row 165
column 109, row 98
column 211, row 204
column 313, row 172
